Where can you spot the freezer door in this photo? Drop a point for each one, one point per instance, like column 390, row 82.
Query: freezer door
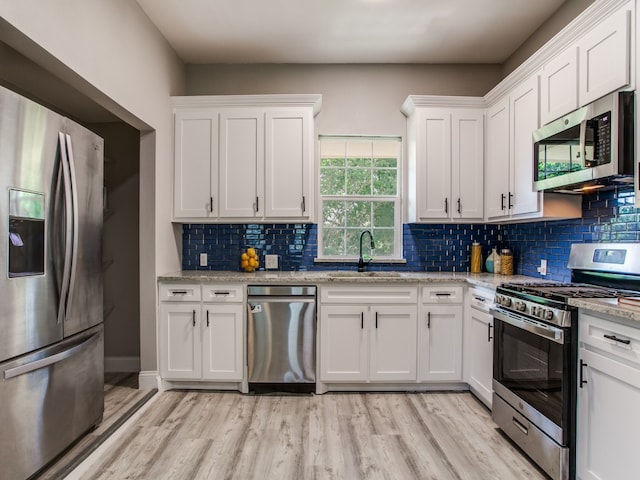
column 49, row 399
column 84, row 307
column 28, row 295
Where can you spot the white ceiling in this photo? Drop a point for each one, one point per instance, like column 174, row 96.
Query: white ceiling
column 347, row 31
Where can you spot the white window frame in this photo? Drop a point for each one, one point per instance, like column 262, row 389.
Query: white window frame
column 397, row 255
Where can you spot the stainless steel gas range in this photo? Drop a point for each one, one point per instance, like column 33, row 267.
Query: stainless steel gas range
column 535, row 351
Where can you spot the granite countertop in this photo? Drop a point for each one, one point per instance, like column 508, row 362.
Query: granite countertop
column 608, row 306
column 488, row 280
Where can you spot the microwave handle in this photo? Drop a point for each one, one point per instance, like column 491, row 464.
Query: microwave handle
column 583, row 142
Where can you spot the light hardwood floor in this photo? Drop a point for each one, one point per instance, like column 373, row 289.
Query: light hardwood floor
column 212, row 435
column 121, row 398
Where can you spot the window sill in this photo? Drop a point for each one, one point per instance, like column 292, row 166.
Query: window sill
column 379, row 261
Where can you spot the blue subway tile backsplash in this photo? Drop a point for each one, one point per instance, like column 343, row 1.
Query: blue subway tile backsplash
column 608, row 216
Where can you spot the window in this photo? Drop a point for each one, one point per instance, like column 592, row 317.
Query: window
column 359, row 190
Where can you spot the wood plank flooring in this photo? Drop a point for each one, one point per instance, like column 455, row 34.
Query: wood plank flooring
column 213, row 435
column 121, row 398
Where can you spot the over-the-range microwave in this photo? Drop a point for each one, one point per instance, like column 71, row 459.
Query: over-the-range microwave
column 590, row 148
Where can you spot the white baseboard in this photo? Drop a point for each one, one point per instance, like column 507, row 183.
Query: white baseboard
column 148, row 380
column 121, row 364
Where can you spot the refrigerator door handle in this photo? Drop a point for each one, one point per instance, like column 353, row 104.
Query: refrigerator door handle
column 68, row 202
column 74, row 206
column 45, row 362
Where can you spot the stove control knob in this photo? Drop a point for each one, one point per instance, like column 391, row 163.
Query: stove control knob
column 506, row 301
column 535, row 311
column 548, row 315
column 520, row 306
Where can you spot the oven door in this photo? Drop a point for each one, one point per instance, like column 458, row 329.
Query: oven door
column 531, row 371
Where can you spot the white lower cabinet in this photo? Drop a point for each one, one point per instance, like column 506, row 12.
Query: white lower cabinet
column 608, row 421
column 222, row 342
column 440, row 332
column 362, row 341
column 180, row 345
column 201, row 341
column 478, row 352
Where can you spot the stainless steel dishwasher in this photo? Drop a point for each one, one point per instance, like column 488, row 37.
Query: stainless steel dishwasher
column 281, row 337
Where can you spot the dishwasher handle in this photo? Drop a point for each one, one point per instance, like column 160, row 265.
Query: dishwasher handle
column 274, row 299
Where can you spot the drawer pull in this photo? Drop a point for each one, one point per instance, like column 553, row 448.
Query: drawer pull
column 479, row 299
column 520, row 426
column 178, row 292
column 616, row 339
column 445, row 294
column 222, row 292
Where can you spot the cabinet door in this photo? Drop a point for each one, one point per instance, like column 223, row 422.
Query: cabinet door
column 222, row 345
column 393, row 343
column 481, row 355
column 288, row 163
column 559, row 86
column 180, row 344
column 604, row 58
column 467, row 164
column 241, row 163
column 608, row 430
column 524, row 120
column 497, row 164
column 343, row 343
column 434, row 163
column 441, row 343
column 195, row 163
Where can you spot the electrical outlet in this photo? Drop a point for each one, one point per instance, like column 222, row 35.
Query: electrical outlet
column 542, row 269
column 271, row 262
column 203, row 259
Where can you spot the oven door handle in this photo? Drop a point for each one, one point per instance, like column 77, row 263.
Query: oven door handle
column 546, row 331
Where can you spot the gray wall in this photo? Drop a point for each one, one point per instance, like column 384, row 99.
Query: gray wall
column 356, row 99
column 563, row 16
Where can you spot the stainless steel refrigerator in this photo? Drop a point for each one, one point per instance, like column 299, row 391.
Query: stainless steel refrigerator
column 51, row 333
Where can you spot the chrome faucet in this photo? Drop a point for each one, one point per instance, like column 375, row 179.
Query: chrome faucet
column 361, row 263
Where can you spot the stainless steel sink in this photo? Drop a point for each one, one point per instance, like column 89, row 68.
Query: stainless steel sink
column 352, row 274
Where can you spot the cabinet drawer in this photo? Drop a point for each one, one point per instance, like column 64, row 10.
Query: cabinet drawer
column 442, row 294
column 610, row 337
column 357, row 294
column 223, row 293
column 179, row 292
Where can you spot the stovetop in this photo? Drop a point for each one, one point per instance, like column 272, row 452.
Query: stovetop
column 561, row 292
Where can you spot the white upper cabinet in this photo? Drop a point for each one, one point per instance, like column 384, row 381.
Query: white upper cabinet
column 596, row 64
column 257, row 152
column 523, row 104
column 497, row 164
column 559, row 86
column 196, row 165
column 604, row 57
column 446, row 158
column 241, row 162
column 288, row 163
column 510, row 124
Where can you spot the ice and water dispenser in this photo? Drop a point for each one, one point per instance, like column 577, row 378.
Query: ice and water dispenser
column 26, row 233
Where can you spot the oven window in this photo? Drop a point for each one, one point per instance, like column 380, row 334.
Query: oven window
column 532, row 367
